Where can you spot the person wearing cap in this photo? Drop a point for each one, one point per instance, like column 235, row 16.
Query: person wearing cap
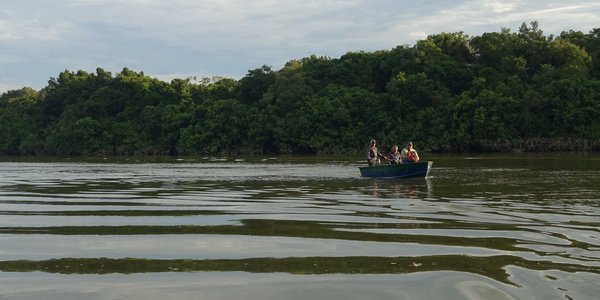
column 373, row 154
column 409, row 154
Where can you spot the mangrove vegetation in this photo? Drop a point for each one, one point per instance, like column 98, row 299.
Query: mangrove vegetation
column 500, row 91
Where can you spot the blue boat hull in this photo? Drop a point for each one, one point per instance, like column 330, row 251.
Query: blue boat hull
column 420, row 169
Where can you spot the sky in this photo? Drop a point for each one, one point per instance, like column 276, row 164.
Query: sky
column 170, row 39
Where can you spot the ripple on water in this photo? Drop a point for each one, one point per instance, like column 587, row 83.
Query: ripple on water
column 481, row 228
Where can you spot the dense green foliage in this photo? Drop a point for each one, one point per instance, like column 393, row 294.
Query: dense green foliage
column 500, row 91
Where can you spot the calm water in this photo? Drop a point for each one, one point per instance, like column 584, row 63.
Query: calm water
column 483, row 227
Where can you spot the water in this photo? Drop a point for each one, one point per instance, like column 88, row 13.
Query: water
column 482, row 227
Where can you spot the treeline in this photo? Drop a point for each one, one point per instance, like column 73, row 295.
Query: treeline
column 501, row 91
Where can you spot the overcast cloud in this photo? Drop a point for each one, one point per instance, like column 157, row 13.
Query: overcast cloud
column 181, row 38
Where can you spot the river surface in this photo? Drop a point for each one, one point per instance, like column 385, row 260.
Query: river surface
column 479, row 227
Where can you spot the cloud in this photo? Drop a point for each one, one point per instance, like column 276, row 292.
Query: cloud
column 39, row 38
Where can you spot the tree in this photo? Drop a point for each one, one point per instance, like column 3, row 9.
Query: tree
column 80, row 137
column 449, row 91
column 19, row 121
column 531, row 33
column 252, row 87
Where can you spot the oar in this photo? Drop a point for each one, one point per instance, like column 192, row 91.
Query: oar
column 383, row 156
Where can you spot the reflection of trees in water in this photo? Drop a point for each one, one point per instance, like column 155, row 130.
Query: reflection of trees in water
column 402, row 188
column 492, row 267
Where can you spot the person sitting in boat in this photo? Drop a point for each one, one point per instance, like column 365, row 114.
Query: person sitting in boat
column 394, row 156
column 373, row 154
column 409, row 154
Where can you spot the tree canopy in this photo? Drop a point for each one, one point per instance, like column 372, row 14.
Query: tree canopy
column 500, row 91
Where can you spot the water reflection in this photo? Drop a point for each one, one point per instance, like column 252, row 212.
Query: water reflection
column 402, row 188
column 491, row 220
column 296, row 265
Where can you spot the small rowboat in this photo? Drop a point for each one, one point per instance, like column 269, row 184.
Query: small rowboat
column 419, row 169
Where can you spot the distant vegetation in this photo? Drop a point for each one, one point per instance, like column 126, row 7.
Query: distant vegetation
column 501, row 91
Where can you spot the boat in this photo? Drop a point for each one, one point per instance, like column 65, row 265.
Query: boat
column 418, row 169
